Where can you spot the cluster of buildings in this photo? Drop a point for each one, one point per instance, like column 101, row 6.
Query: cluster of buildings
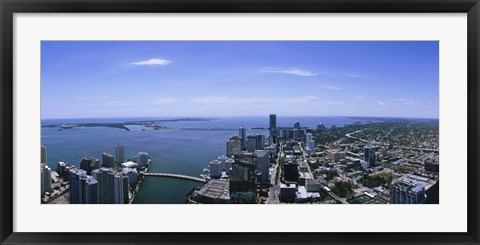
column 245, row 172
column 110, row 182
column 253, row 162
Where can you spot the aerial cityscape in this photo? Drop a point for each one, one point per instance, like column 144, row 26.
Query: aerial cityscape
column 237, row 123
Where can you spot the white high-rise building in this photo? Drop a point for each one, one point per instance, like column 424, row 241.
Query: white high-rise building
column 142, row 159
column 228, row 165
column 223, row 159
column 215, row 169
column 406, row 191
column 46, row 178
column 119, row 153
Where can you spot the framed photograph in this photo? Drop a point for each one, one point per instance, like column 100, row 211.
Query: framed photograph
column 257, row 122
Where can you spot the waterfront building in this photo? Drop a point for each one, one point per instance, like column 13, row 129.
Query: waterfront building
column 43, row 157
column 242, row 179
column 46, row 178
column 132, row 175
column 112, row 186
column 228, row 165
column 370, row 155
column 406, row 191
column 223, row 160
column 215, row 169
column 233, row 147
column 243, row 137
column 76, row 188
column 107, row 160
column 63, row 168
column 89, row 164
column 120, row 187
column 142, row 159
column 263, row 165
column 273, row 124
column 129, row 164
column 105, row 185
column 89, row 190
column 119, row 153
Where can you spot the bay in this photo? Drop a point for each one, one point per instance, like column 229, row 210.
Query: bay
column 172, row 151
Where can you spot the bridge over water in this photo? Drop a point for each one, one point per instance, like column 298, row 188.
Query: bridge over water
column 178, row 176
column 218, row 129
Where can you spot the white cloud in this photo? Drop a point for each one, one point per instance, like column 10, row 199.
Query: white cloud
column 400, row 102
column 329, row 87
column 291, row 71
column 352, row 75
column 210, row 100
column 153, row 62
column 165, row 100
column 382, row 103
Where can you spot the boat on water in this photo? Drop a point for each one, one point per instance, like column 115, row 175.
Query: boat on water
column 67, row 126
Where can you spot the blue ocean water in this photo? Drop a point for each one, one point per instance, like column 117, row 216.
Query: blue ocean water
column 172, row 151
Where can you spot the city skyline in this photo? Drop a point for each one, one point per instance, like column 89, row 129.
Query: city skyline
column 107, row 79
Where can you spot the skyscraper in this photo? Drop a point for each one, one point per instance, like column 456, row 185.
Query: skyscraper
column 89, row 190
column 406, row 191
column 142, row 159
column 260, row 142
column 233, row 146
column 112, row 186
column 370, row 155
column 83, row 188
column 309, row 143
column 119, row 154
column 252, row 143
column 88, row 164
column 243, row 137
column 263, row 164
column 242, row 180
column 43, row 158
column 107, row 160
column 273, row 124
column 46, row 178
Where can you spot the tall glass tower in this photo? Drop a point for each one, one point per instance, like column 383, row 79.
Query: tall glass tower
column 242, row 132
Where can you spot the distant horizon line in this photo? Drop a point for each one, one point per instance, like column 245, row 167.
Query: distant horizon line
column 267, row 115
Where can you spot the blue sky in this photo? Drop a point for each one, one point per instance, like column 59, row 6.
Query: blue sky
column 88, row 79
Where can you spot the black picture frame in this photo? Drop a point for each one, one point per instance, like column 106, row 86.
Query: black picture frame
column 10, row 7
